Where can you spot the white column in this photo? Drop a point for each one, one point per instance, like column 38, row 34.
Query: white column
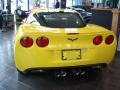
column 0, row 5
column 119, row 4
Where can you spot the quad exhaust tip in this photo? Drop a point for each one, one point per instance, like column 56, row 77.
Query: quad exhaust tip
column 78, row 72
column 63, row 73
column 60, row 73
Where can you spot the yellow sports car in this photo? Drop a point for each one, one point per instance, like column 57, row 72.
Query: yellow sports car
column 59, row 39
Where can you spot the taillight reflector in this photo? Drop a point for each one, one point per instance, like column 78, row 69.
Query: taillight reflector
column 109, row 39
column 42, row 41
column 97, row 40
column 26, row 42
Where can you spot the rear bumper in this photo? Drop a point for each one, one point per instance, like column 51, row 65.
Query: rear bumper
column 81, row 67
column 53, row 59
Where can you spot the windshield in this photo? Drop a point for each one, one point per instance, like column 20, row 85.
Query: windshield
column 59, row 19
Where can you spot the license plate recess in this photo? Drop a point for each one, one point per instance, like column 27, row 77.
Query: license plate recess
column 74, row 54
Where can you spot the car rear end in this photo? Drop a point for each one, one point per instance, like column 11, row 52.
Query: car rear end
column 48, row 50
column 62, row 43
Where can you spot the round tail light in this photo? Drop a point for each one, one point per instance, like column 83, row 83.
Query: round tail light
column 26, row 42
column 97, row 40
column 109, row 39
column 42, row 41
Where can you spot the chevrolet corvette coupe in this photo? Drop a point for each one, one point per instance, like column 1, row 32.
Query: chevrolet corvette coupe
column 59, row 39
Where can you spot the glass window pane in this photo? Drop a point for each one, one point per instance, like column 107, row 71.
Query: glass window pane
column 52, row 3
column 5, row 4
column 69, row 3
column 23, row 4
column 59, row 20
column 34, row 3
column 13, row 6
column 42, row 3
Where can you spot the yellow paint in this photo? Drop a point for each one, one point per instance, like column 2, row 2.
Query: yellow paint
column 51, row 55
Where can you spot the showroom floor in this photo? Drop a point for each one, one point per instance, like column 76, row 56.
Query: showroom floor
column 11, row 80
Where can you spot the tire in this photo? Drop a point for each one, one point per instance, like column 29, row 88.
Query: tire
column 25, row 73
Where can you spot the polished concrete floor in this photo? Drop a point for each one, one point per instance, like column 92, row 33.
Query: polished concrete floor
column 10, row 79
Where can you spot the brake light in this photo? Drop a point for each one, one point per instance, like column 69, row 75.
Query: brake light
column 109, row 39
column 26, row 42
column 42, row 41
column 97, row 40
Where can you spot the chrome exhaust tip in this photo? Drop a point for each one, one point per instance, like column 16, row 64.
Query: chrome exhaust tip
column 63, row 74
column 57, row 74
column 75, row 72
column 78, row 72
column 60, row 74
column 82, row 73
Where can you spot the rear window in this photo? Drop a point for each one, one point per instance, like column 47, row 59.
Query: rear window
column 59, row 19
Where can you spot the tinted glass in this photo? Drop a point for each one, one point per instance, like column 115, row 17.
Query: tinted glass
column 59, row 20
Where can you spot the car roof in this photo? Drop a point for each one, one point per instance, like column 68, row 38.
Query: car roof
column 37, row 10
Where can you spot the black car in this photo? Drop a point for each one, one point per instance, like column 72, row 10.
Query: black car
column 85, row 12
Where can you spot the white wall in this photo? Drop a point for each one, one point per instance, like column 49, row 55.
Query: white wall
column 0, row 5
